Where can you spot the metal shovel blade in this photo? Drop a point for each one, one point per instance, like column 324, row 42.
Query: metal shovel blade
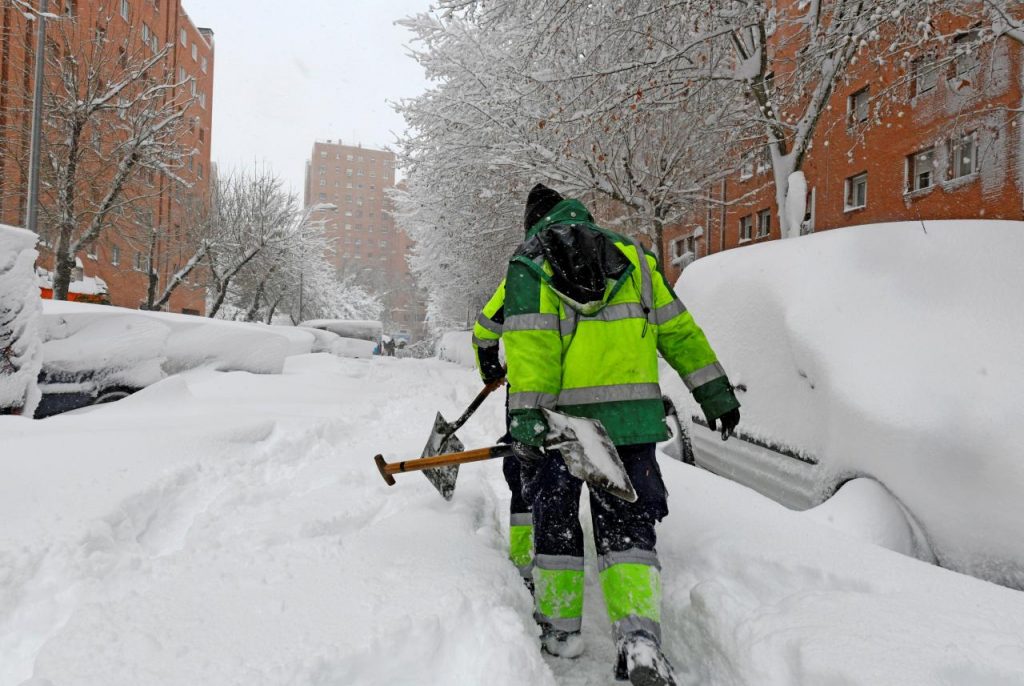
column 589, row 453
column 441, row 442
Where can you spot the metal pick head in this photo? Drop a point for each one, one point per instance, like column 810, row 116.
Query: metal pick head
column 442, row 443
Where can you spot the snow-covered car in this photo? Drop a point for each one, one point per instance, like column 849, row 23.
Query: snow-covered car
column 888, row 352
column 96, row 353
column 88, row 360
column 356, row 338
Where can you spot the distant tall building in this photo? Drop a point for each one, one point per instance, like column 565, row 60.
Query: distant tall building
column 355, row 179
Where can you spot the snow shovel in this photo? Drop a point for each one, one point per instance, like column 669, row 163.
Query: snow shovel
column 443, row 441
column 583, row 443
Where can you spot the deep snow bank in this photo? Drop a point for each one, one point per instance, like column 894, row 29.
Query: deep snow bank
column 891, row 351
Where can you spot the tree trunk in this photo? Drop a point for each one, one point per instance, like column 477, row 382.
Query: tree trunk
column 64, row 265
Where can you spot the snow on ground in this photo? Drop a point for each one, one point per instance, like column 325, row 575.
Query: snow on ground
column 230, row 528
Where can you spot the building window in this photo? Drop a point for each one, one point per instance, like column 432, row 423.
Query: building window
column 746, row 224
column 126, row 9
column 141, row 262
column 199, row 171
column 383, row 244
column 965, row 60
column 323, row 182
column 764, row 160
column 115, row 255
column 746, row 166
column 323, row 154
column 184, row 37
column 962, row 156
column 323, row 196
column 922, row 170
column 764, row 223
column 925, row 73
column 348, row 158
column 857, row 105
column 857, row 192
column 90, row 252
column 204, row 65
column 195, row 52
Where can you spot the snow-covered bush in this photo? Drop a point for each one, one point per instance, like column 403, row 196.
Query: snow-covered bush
column 457, row 347
column 20, row 348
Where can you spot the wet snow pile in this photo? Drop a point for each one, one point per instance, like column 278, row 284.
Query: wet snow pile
column 231, row 528
column 891, row 351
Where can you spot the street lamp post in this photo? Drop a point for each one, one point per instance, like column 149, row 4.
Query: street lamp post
column 37, row 121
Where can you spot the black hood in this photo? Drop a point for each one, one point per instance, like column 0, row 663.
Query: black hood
column 583, row 261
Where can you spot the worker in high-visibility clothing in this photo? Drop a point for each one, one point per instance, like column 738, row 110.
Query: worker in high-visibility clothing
column 486, row 335
column 586, row 312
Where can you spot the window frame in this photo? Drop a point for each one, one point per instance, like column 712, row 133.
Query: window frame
column 851, row 183
column 921, row 157
column 925, row 71
column 956, row 145
column 854, row 103
column 764, row 223
column 746, row 227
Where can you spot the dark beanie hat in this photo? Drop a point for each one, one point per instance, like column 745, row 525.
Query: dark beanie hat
column 540, row 201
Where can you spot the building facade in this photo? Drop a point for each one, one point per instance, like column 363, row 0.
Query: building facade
column 355, row 180
column 935, row 135
column 150, row 230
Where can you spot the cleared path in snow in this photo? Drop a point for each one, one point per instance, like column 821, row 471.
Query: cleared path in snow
column 231, row 528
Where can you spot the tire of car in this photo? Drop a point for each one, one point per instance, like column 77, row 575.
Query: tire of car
column 113, row 394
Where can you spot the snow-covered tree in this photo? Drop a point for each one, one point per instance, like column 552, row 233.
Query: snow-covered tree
column 265, row 255
column 113, row 116
column 514, row 105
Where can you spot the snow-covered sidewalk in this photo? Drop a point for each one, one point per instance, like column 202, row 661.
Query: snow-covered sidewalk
column 230, row 528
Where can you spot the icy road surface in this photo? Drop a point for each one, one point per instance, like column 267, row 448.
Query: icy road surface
column 229, row 528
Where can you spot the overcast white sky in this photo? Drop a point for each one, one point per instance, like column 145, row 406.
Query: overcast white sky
column 287, row 74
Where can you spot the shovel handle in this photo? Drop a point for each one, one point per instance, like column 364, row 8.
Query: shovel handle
column 480, row 397
column 388, row 468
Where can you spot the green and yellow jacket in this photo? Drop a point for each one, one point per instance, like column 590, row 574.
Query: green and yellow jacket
column 585, row 314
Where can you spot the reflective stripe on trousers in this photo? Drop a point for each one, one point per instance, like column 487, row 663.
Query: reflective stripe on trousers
column 520, row 542
column 558, row 590
column 631, row 581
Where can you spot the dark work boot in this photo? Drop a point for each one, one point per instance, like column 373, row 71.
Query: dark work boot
column 641, row 662
column 561, row 643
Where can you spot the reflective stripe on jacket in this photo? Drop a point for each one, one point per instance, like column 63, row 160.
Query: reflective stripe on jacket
column 486, row 334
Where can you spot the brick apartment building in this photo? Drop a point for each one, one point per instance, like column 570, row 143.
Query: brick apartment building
column 944, row 143
column 121, row 255
column 366, row 241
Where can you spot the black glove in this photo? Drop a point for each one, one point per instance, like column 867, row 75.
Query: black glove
column 527, row 454
column 729, row 421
